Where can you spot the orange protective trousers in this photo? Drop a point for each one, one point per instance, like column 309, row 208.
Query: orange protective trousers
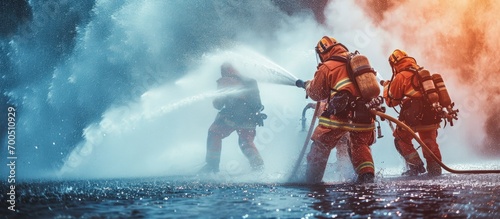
column 325, row 139
column 403, row 143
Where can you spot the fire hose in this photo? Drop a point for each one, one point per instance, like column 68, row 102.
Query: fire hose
column 306, row 142
column 424, row 146
column 303, row 120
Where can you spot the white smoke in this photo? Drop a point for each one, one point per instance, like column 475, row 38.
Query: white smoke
column 455, row 39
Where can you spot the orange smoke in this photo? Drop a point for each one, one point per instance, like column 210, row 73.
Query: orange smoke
column 459, row 39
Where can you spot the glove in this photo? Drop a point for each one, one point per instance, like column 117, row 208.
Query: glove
column 375, row 102
column 384, row 83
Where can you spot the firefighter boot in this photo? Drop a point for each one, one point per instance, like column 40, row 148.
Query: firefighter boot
column 365, row 178
column 414, row 170
column 433, row 169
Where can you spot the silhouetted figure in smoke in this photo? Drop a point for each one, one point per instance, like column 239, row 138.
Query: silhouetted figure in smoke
column 240, row 111
column 416, row 112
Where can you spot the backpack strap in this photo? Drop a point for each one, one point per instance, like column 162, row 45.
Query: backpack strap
column 415, row 74
column 417, row 86
column 338, row 59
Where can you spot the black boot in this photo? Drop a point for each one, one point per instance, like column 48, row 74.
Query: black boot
column 414, row 170
column 365, row 178
column 433, row 169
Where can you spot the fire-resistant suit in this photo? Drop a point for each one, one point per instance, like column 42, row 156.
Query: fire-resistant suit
column 240, row 110
column 415, row 112
column 331, row 78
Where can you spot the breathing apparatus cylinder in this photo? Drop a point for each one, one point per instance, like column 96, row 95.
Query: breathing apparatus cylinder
column 444, row 96
column 428, row 86
column 365, row 76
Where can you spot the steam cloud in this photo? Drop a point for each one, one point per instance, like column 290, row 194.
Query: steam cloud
column 459, row 39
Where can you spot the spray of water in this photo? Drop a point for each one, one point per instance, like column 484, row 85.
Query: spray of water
column 257, row 66
column 111, row 125
column 125, row 119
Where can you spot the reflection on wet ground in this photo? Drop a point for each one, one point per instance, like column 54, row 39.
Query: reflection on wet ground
column 448, row 196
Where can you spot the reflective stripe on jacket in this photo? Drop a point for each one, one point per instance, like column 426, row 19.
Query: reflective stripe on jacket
column 345, row 125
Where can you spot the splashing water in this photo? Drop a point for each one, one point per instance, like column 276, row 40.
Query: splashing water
column 262, row 69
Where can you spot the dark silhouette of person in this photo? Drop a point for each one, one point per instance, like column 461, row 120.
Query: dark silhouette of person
column 239, row 110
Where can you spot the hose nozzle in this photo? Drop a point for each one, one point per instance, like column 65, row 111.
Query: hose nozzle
column 300, row 83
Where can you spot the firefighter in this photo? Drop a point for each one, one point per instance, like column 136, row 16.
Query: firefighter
column 331, row 81
column 416, row 112
column 239, row 110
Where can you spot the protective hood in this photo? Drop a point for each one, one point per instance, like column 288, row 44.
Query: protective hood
column 337, row 50
column 406, row 63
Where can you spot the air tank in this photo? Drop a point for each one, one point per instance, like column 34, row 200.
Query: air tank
column 365, row 77
column 428, row 86
column 444, row 96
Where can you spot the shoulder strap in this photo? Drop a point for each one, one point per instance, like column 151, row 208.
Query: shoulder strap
column 417, row 86
column 338, row 59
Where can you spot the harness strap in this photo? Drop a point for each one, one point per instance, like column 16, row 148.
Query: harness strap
column 348, row 68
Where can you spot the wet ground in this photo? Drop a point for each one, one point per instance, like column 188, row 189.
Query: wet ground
column 447, row 196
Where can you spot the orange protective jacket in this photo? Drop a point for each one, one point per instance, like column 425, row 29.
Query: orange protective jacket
column 331, row 77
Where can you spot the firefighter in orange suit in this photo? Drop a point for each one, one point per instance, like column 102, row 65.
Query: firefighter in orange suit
column 415, row 112
column 331, row 81
column 240, row 110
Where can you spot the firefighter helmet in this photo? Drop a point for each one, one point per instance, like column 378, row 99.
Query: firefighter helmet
column 325, row 44
column 397, row 56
